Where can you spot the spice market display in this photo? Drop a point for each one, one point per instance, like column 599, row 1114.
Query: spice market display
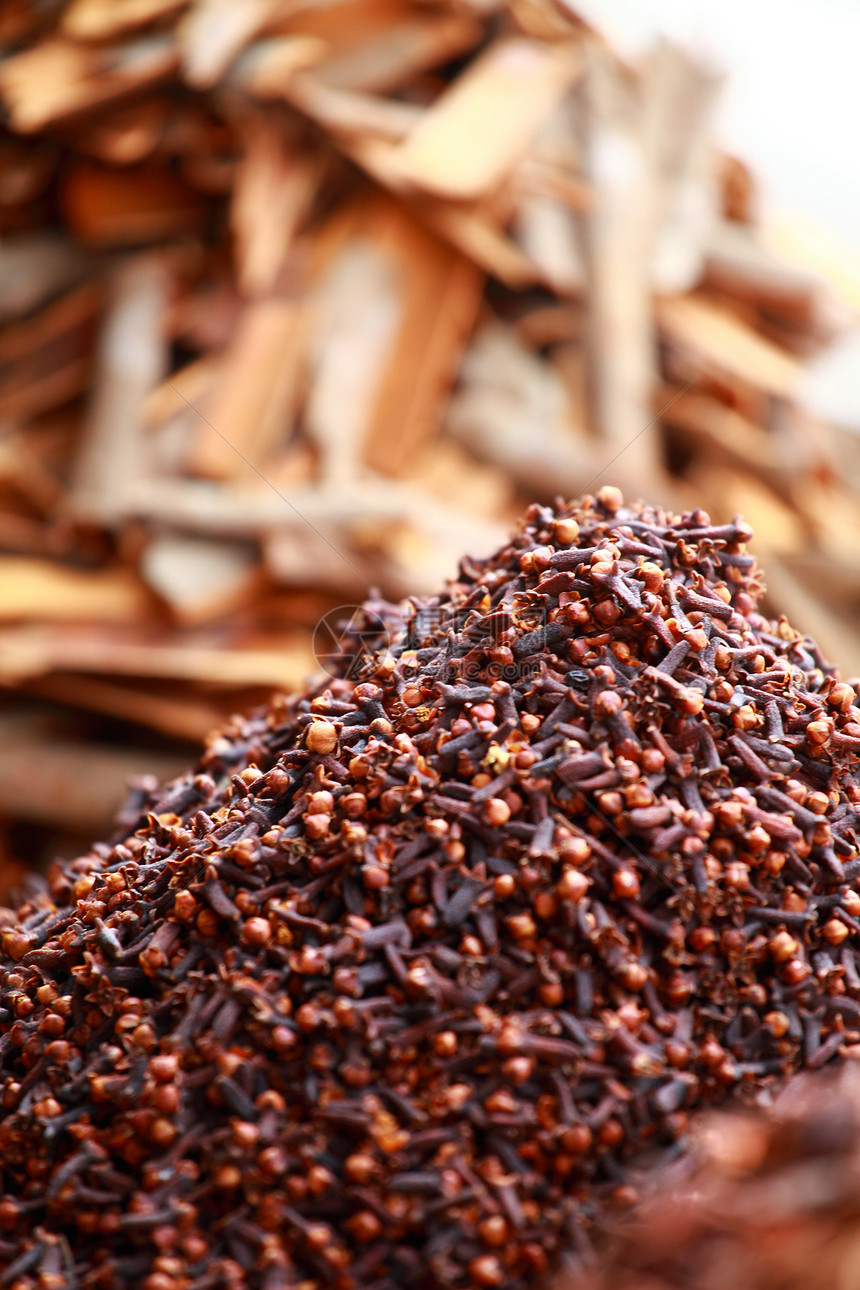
column 401, row 984
column 367, row 257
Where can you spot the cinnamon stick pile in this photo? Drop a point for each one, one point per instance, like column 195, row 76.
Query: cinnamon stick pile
column 300, row 299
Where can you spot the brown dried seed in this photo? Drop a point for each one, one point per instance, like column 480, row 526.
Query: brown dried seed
column 321, row 737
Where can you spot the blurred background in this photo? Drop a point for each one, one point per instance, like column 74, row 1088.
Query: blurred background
column 301, row 298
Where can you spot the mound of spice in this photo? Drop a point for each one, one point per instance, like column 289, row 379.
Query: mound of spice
column 392, row 989
column 765, row 1200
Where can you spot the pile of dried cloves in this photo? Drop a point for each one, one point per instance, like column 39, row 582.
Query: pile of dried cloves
column 393, row 988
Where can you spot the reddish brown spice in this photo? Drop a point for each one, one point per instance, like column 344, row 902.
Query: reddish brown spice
column 766, row 1198
column 391, row 989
